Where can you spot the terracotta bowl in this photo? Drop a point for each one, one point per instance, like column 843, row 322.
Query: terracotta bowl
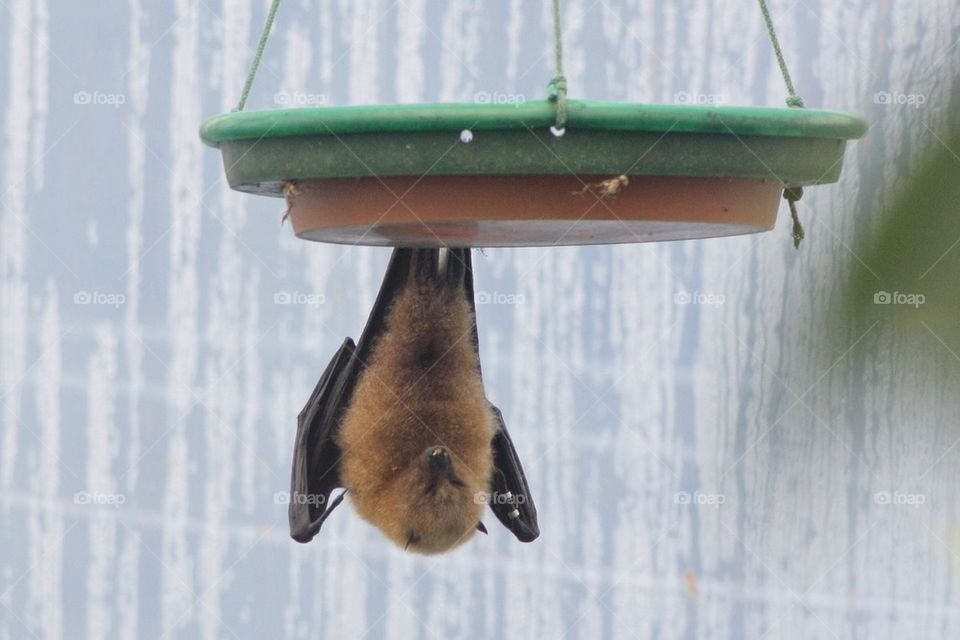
column 540, row 210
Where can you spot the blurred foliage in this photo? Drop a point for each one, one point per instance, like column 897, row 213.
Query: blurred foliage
column 915, row 257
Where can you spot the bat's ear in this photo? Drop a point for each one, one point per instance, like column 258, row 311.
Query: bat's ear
column 482, row 529
column 512, row 503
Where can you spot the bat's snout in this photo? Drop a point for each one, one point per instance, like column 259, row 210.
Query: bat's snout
column 438, row 467
column 437, row 461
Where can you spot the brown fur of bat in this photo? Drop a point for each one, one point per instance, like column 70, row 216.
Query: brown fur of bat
column 421, row 389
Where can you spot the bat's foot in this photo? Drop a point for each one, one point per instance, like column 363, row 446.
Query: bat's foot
column 446, row 267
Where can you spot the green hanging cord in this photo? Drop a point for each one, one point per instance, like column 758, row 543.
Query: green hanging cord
column 257, row 56
column 557, row 89
column 792, row 194
column 793, row 100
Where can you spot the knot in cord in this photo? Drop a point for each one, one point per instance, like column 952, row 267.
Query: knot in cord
column 795, row 101
column 792, row 195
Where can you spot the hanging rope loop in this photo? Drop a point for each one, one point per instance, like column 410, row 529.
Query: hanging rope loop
column 557, row 89
column 257, row 56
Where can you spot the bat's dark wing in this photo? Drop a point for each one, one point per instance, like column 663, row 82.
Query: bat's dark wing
column 510, row 495
column 510, row 499
column 316, row 455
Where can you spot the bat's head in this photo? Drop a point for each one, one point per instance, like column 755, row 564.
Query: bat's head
column 447, row 501
column 436, row 502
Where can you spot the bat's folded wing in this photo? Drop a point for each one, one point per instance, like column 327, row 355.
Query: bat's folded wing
column 316, row 455
column 510, row 500
column 510, row 497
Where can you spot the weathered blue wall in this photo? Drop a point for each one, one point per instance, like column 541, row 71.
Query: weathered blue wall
column 174, row 391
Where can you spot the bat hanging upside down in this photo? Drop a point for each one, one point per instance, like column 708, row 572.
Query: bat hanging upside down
column 401, row 420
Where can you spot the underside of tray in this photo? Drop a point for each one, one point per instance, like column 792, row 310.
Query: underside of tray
column 510, row 211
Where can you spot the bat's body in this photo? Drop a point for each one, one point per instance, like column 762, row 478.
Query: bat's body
column 402, row 422
column 421, row 389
